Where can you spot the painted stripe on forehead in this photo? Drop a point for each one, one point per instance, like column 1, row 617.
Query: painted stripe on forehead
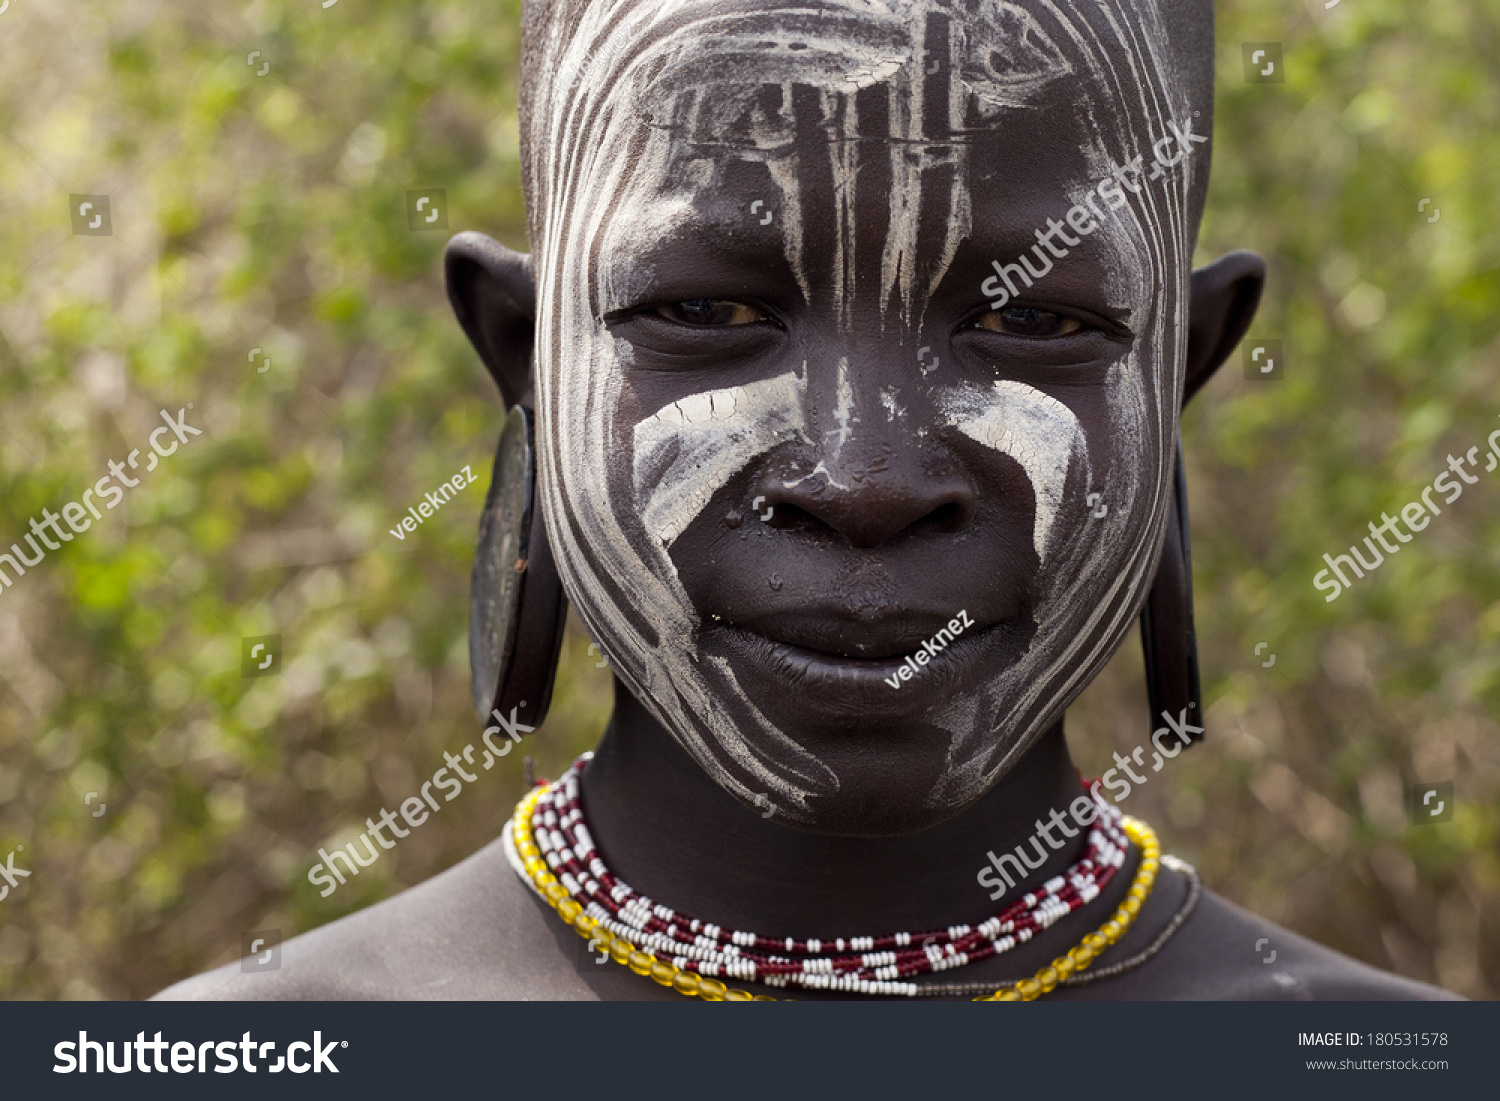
column 700, row 74
column 686, row 451
column 1033, row 428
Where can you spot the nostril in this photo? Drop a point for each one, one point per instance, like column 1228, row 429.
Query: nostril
column 865, row 503
column 786, row 515
column 946, row 518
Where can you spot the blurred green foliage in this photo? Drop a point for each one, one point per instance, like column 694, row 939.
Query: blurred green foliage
column 270, row 212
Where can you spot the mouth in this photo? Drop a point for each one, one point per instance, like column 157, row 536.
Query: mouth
column 832, row 635
column 895, row 669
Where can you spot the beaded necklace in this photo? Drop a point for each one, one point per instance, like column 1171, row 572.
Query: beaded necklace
column 549, row 845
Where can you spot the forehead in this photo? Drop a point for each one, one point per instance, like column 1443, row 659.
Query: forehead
column 916, row 129
column 716, row 74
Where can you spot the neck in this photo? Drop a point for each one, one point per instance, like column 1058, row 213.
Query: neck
column 667, row 829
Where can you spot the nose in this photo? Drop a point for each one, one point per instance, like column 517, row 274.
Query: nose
column 867, row 494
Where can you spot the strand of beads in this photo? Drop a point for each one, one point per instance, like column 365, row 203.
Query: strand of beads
column 526, row 858
column 1093, row 945
column 554, row 847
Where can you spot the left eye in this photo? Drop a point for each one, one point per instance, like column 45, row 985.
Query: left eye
column 710, row 311
column 1025, row 321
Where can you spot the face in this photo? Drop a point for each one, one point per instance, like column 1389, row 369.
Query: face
column 789, row 443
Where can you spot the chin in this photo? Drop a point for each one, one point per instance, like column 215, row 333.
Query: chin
column 883, row 779
column 858, row 757
column 881, row 806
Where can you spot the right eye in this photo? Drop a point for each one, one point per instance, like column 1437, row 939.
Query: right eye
column 711, row 312
column 1028, row 322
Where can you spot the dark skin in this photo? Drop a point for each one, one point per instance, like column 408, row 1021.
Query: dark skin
column 872, row 558
column 475, row 931
column 895, row 491
column 876, row 552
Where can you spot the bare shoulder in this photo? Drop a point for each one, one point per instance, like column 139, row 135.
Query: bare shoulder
column 476, row 932
column 1225, row 953
column 472, row 932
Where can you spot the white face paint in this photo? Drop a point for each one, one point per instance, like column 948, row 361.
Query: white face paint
column 645, row 140
column 685, row 452
column 1035, row 429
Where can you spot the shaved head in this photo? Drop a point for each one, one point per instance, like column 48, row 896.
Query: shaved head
column 1184, row 30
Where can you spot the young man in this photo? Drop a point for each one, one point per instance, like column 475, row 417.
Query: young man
column 841, row 318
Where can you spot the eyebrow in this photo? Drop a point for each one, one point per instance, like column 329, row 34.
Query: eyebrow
column 701, row 258
column 716, row 234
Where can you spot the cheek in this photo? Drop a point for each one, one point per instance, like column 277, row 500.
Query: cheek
column 1098, row 464
column 595, row 409
column 1132, row 434
column 1036, row 430
column 1116, row 521
column 688, row 450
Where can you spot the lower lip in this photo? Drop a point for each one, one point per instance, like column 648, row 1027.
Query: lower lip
column 828, row 682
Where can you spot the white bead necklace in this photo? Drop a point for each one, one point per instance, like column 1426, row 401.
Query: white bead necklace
column 865, row 965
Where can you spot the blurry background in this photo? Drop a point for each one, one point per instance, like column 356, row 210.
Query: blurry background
column 259, row 200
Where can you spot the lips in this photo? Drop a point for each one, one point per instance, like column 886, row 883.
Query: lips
column 785, row 676
column 833, row 634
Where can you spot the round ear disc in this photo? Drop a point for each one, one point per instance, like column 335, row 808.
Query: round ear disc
column 516, row 601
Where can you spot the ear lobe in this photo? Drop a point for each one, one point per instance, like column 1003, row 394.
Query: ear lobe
column 494, row 298
column 1223, row 301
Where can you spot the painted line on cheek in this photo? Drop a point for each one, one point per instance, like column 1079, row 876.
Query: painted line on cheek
column 686, row 451
column 1035, row 429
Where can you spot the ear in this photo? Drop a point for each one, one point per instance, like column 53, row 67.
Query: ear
column 494, row 296
column 1223, row 301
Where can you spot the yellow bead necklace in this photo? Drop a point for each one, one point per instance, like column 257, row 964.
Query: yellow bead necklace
column 1093, row 945
column 524, row 852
